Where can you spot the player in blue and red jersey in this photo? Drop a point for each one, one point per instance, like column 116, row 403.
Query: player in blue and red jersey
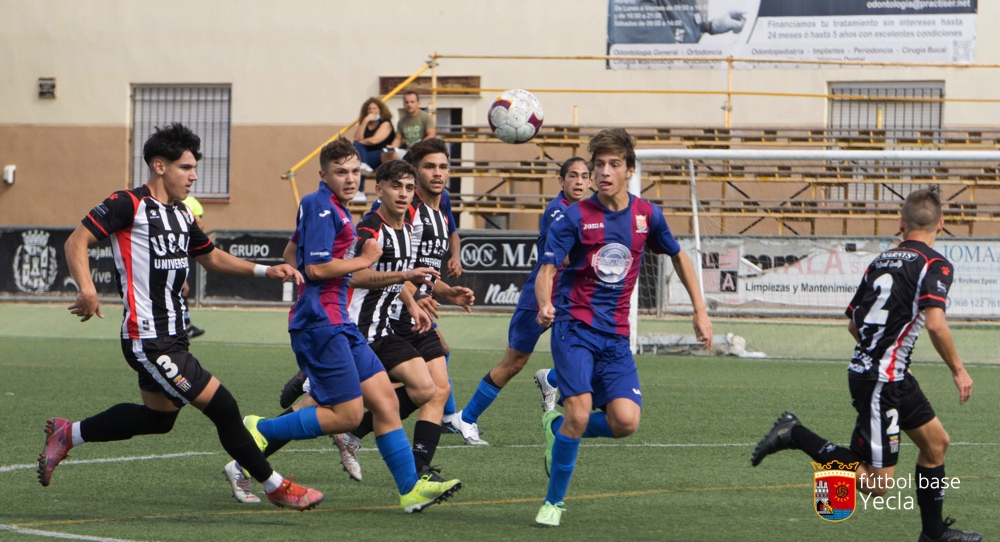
column 604, row 238
column 524, row 331
column 904, row 289
column 329, row 348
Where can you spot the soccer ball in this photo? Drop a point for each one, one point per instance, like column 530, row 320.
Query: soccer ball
column 515, row 116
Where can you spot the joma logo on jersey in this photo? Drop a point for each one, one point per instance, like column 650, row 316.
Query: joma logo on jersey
column 833, row 490
column 594, row 226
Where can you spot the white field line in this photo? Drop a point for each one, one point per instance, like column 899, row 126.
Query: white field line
column 54, row 534
column 32, row 466
column 9, row 468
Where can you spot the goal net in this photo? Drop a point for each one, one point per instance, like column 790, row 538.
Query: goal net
column 781, row 239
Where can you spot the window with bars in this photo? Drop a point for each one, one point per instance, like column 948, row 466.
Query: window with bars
column 893, row 111
column 205, row 109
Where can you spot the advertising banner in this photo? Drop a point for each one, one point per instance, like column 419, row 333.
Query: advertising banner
column 938, row 31
column 265, row 248
column 495, row 265
column 820, row 275
column 35, row 263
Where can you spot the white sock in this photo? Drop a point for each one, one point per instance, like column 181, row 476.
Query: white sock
column 74, row 432
column 273, row 483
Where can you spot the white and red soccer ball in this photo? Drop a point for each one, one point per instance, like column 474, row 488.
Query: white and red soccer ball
column 515, row 116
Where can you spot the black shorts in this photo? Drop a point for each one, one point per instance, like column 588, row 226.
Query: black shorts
column 393, row 350
column 427, row 343
column 884, row 410
column 165, row 365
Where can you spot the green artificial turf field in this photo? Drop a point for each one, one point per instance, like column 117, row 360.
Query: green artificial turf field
column 685, row 474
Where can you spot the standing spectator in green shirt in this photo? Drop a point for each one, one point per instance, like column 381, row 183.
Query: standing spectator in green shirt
column 415, row 125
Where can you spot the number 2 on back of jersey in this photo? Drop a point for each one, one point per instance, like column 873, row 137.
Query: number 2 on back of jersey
column 877, row 315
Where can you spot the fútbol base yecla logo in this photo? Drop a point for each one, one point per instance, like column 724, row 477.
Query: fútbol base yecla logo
column 833, row 490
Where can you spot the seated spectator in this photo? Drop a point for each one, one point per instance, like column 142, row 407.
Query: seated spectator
column 373, row 135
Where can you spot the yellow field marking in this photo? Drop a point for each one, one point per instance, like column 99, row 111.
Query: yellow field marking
column 250, row 510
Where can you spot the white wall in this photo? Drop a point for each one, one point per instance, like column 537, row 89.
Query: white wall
column 312, row 62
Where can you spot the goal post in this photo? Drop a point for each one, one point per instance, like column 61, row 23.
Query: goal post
column 878, row 179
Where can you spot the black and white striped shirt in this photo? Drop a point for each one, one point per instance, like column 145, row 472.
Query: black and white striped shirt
column 372, row 309
column 431, row 242
column 887, row 308
column 151, row 241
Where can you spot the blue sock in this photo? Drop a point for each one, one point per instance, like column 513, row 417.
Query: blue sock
column 481, row 400
column 299, row 425
column 563, row 462
column 597, row 426
column 557, row 423
column 551, row 378
column 398, row 456
column 449, row 407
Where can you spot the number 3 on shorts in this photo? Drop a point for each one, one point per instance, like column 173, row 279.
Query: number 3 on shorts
column 170, row 370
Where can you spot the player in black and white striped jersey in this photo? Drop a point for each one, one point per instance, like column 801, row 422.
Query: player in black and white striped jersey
column 376, row 292
column 378, row 295
column 152, row 235
column 904, row 289
column 432, row 242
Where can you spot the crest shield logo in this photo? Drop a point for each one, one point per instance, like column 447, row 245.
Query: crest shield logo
column 834, row 485
column 640, row 224
column 35, row 264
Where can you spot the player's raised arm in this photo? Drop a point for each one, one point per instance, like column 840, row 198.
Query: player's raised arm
column 220, row 261
column 456, row 295
column 336, row 267
column 372, row 279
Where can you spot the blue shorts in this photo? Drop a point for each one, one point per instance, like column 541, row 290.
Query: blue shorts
column 337, row 359
column 591, row 361
column 524, row 331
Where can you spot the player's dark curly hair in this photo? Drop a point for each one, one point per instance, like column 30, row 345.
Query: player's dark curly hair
column 337, row 151
column 564, row 169
column 431, row 145
column 394, row 170
column 612, row 141
column 922, row 209
column 170, row 142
